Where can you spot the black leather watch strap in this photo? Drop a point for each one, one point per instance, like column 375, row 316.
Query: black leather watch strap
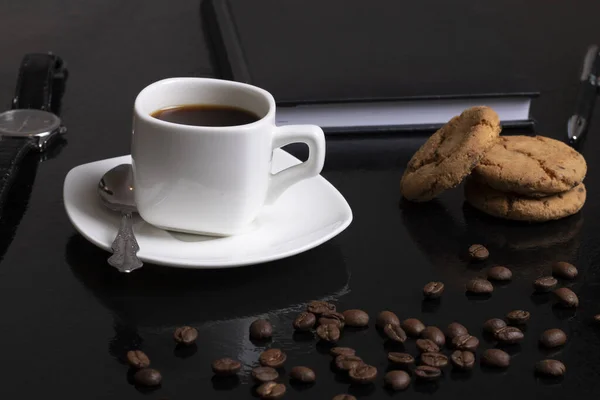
column 12, row 152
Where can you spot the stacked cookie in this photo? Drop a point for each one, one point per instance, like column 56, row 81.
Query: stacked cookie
column 514, row 177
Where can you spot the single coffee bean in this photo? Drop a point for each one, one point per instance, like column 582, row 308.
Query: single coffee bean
column 304, row 321
column 437, row 360
column 509, row 335
column 147, row 377
column 274, row 358
column 434, row 334
column 346, row 363
column 226, row 367
column 478, row 252
column 427, row 373
column 566, row 297
column 319, row 307
column 553, row 338
column 328, row 333
column 550, row 368
column 264, row 374
column 495, row 358
column 493, row 325
column 463, row 359
column 261, row 329
column 356, row 318
column 185, row 335
column 397, row 380
column 334, row 318
column 303, row 374
column 342, row 351
column 545, row 284
column 363, row 373
column 518, row 317
column 138, row 359
column 402, row 359
column 597, row 318
column 455, row 329
column 500, row 273
column 564, row 270
column 395, row 333
column 271, row 390
column 480, row 286
column 343, row 397
column 427, row 346
column 387, row 317
column 465, row 342
column 413, row 327
column 433, row 290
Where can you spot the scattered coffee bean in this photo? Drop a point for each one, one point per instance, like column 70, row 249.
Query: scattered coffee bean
column 138, row 359
column 346, row 363
column 493, row 325
column 553, row 338
column 566, row 297
column 434, row 334
column 395, row 333
column 509, row 335
column 274, row 358
column 329, row 333
column 271, row 390
column 261, row 329
column 500, row 273
column 147, row 377
column 387, row 317
column 334, row 318
column 564, row 270
column 413, row 327
column 550, row 368
column 363, row 373
column 397, row 380
column 356, row 318
column 518, row 317
column 342, row 351
column 226, row 367
column 495, row 358
column 478, row 252
column 403, row 359
column 427, row 346
column 433, row 290
column 455, row 329
column 463, row 359
column 265, row 374
column 427, row 373
column 545, row 284
column 343, row 397
column 465, row 342
column 319, row 307
column 480, row 286
column 437, row 360
column 304, row 321
column 185, row 335
column 303, row 374
column 597, row 318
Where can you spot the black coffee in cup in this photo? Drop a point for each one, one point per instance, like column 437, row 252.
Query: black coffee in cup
column 206, row 115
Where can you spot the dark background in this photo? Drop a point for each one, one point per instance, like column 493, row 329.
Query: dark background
column 67, row 318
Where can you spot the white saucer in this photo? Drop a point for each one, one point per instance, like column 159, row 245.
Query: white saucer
column 305, row 216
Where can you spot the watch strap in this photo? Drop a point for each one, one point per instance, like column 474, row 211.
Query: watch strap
column 12, row 151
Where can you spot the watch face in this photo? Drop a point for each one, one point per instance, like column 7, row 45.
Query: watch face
column 28, row 123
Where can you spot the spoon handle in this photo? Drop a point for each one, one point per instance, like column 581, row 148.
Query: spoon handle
column 125, row 247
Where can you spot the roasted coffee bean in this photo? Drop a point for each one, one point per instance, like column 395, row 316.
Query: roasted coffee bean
column 509, row 335
column 264, row 374
column 343, row 397
column 495, row 358
column 395, row 333
column 465, row 342
column 303, row 374
column 363, row 373
column 403, row 359
column 147, row 377
column 455, row 329
column 434, row 334
column 138, row 359
column 427, row 346
column 271, row 390
column 346, row 363
column 433, row 290
column 226, row 366
column 564, row 270
column 304, row 321
column 397, row 380
column 334, row 318
column 329, row 333
column 478, row 252
column 427, row 373
column 319, row 307
column 545, row 284
column 463, row 359
column 261, row 329
column 480, row 286
column 274, row 358
column 413, row 327
column 493, row 325
column 597, row 318
column 387, row 317
column 518, row 317
column 550, row 368
column 499, row 273
column 553, row 338
column 185, row 335
column 342, row 351
column 437, row 360
column 356, row 318
column 566, row 297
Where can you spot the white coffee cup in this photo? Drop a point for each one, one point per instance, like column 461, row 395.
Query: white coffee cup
column 212, row 180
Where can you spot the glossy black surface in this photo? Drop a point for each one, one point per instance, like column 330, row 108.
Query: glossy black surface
column 67, row 318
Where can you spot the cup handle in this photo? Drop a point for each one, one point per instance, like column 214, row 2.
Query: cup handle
column 313, row 136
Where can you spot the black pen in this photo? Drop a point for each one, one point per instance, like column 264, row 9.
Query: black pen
column 588, row 90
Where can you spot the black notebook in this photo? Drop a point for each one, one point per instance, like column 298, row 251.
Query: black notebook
column 356, row 65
